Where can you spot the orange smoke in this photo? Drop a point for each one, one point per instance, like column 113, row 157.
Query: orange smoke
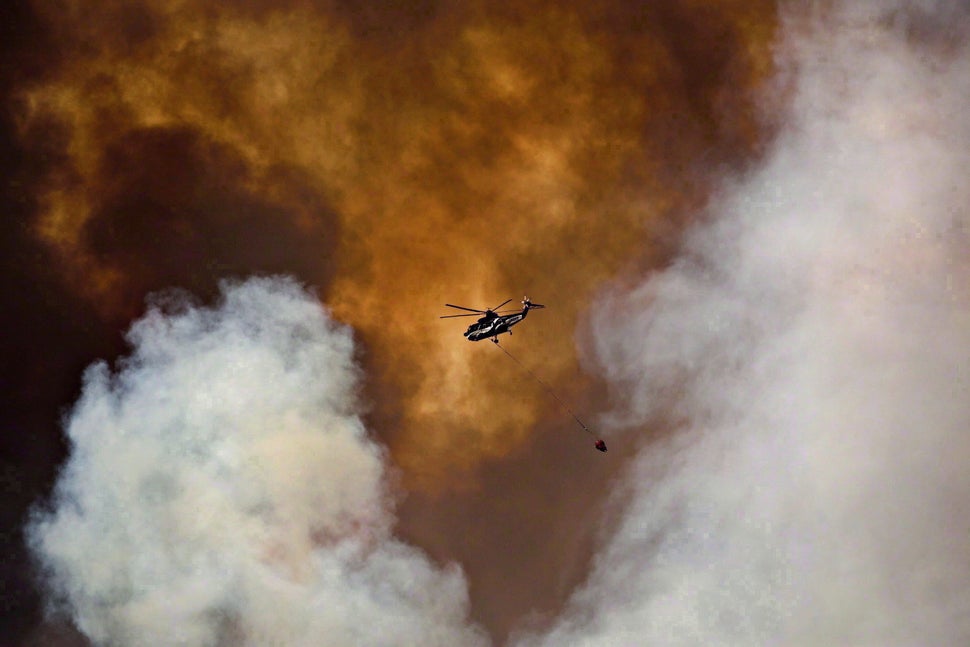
column 398, row 159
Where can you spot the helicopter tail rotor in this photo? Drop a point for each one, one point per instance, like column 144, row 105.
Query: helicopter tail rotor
column 528, row 304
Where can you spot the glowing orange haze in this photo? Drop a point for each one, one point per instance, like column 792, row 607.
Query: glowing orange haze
column 397, row 158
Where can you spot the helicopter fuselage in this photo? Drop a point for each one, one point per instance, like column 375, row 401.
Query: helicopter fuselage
column 495, row 326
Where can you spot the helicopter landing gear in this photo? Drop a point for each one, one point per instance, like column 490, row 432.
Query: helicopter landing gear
column 494, row 340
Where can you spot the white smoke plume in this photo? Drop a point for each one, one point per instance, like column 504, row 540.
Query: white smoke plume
column 812, row 345
column 221, row 489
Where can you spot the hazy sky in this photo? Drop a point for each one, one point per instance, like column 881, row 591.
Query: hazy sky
column 748, row 224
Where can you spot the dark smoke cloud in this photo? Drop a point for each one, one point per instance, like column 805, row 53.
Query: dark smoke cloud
column 520, row 146
column 173, row 209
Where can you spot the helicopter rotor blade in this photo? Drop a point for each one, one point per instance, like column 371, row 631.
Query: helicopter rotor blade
column 500, row 305
column 464, row 308
column 474, row 314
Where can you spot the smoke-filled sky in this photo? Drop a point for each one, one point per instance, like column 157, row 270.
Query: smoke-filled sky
column 396, row 158
column 749, row 225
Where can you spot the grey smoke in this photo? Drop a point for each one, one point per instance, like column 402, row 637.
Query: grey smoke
column 812, row 346
column 221, row 489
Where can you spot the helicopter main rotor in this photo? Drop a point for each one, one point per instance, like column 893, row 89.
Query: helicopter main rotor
column 474, row 312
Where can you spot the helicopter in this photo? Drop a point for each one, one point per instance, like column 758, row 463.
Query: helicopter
column 493, row 323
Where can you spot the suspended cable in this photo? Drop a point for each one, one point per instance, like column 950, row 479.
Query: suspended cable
column 600, row 445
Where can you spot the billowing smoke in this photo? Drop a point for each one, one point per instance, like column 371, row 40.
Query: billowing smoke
column 812, row 347
column 221, row 489
column 795, row 380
